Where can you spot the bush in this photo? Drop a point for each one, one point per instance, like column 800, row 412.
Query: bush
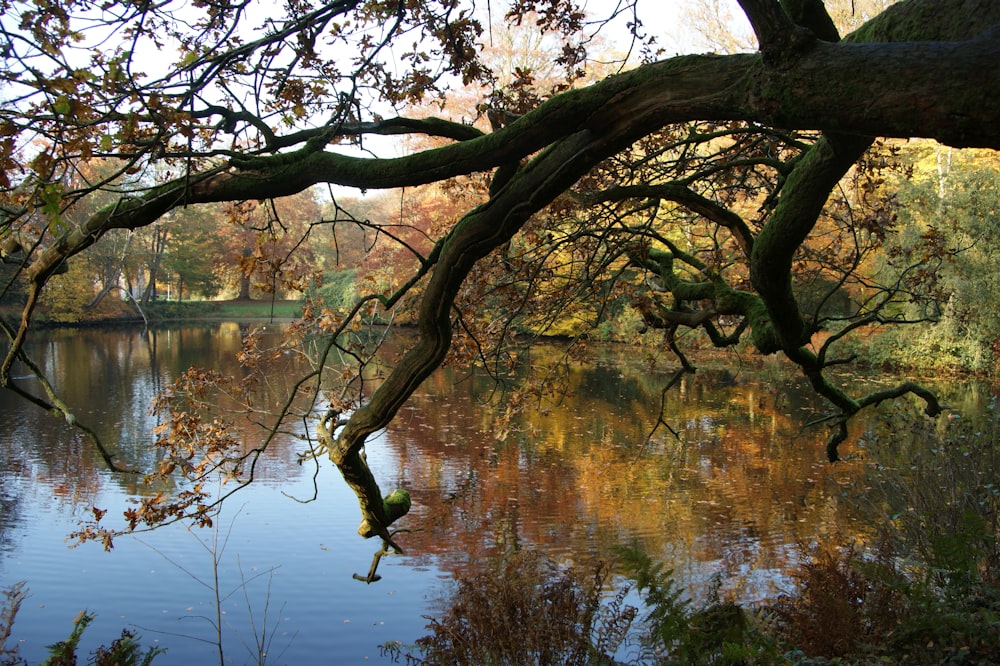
column 861, row 608
column 13, row 596
column 846, row 605
column 337, row 291
column 932, row 347
column 526, row 610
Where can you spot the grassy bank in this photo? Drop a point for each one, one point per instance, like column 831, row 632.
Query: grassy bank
column 119, row 312
column 170, row 311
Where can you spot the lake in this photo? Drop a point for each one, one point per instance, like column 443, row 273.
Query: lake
column 730, row 491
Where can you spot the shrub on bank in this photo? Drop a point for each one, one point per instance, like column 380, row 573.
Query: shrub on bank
column 936, row 348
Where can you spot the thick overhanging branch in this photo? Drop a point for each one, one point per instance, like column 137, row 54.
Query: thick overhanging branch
column 481, row 231
column 932, row 408
column 778, row 37
column 947, row 94
column 802, row 199
column 803, row 196
column 723, row 297
column 949, row 90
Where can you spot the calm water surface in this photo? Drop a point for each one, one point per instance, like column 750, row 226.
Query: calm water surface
column 730, row 503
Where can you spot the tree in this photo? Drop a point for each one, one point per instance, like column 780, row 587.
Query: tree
column 193, row 252
column 948, row 210
column 265, row 245
column 696, row 185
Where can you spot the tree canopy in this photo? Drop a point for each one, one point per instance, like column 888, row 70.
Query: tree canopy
column 734, row 195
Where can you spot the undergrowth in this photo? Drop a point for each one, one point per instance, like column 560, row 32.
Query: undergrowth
column 676, row 632
column 123, row 651
column 852, row 607
column 526, row 610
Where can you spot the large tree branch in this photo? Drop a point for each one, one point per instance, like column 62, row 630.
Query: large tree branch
column 805, row 193
column 476, row 235
column 947, row 94
column 812, row 14
column 777, row 35
column 802, row 199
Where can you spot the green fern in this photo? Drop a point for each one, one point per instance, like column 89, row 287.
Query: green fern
column 63, row 653
column 123, row 651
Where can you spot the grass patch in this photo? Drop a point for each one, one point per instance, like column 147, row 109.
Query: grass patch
column 168, row 311
column 257, row 309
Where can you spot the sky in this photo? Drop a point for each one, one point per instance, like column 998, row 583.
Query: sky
column 669, row 20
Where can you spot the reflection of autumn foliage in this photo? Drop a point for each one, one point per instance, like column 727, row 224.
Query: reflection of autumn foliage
column 735, row 490
column 220, row 423
column 575, row 474
column 486, row 495
column 215, row 430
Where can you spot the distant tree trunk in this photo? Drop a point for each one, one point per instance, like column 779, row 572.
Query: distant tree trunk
column 114, row 278
column 244, row 294
column 100, row 295
column 158, row 245
column 149, row 293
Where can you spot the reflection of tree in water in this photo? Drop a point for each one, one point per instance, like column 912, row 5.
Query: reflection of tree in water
column 736, row 491
column 108, row 378
column 740, row 491
column 10, row 506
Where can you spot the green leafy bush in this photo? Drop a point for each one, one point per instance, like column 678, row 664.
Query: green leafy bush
column 338, row 291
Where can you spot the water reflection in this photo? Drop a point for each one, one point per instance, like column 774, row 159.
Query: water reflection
column 734, row 497
column 730, row 501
